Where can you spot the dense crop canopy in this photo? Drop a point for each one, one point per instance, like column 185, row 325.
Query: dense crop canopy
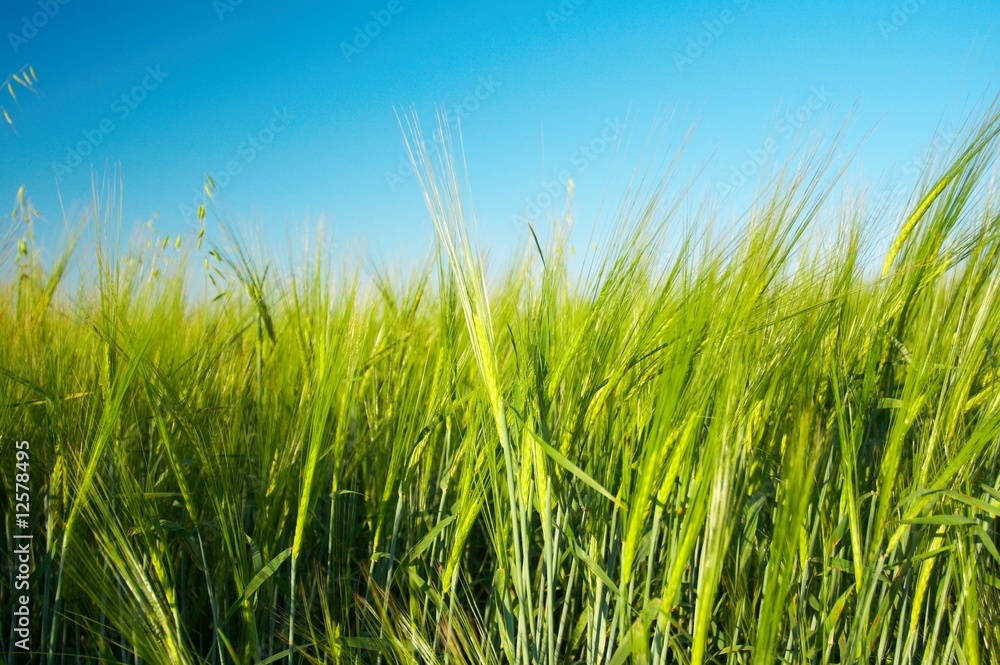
column 780, row 444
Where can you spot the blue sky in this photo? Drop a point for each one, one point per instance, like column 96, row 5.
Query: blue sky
column 293, row 106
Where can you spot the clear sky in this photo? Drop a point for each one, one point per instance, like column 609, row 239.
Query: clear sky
column 298, row 99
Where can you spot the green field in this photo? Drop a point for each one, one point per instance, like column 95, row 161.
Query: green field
column 772, row 442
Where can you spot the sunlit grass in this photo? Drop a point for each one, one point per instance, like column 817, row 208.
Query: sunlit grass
column 773, row 447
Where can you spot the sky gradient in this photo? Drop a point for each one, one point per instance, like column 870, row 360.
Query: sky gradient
column 293, row 108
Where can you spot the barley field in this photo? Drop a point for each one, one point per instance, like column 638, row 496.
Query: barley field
column 776, row 441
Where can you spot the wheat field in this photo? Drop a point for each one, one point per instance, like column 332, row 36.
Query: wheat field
column 772, row 443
